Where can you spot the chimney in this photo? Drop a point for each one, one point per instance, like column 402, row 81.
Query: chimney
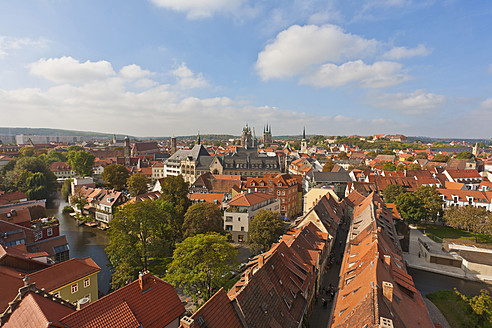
column 186, row 322
column 388, row 291
column 247, row 275
column 387, row 261
column 261, row 260
column 144, row 280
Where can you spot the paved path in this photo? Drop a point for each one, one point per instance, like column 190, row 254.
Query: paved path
column 435, row 314
column 321, row 315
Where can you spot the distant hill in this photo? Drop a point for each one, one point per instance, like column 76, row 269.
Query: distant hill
column 56, row 132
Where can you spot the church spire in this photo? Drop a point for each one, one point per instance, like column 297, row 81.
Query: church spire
column 304, row 133
column 198, row 141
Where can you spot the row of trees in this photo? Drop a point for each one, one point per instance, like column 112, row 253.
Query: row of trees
column 426, row 203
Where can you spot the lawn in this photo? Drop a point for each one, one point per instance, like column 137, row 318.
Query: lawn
column 457, row 235
column 458, row 313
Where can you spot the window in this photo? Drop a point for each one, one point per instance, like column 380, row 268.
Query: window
column 278, row 192
column 242, row 228
column 228, row 219
column 75, row 288
column 228, row 227
column 87, row 282
column 49, row 232
column 283, row 192
column 240, row 238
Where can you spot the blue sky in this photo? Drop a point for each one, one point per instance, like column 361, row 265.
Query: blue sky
column 176, row 67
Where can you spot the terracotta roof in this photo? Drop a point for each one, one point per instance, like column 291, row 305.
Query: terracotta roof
column 36, row 311
column 249, row 199
column 209, row 198
column 22, row 217
column 59, row 166
column 153, row 306
column 457, row 174
column 217, row 312
column 48, row 245
column 13, row 196
column 65, row 272
column 374, row 283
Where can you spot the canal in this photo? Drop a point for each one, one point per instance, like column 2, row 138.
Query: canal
column 428, row 282
column 83, row 241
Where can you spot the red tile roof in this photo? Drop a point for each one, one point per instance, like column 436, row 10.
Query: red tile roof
column 36, row 311
column 217, row 312
column 65, row 272
column 249, row 199
column 154, row 306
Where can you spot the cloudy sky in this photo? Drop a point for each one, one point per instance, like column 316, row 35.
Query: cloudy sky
column 175, row 67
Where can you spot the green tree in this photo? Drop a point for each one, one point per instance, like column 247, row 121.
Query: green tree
column 389, row 166
column 328, row 165
column 74, row 148
column 481, row 305
column 115, row 176
column 175, row 191
column 264, row 229
column 414, row 166
column 37, row 186
column 469, row 218
column 66, row 189
column 360, row 166
column 26, row 151
column 138, row 184
column 138, row 232
column 410, row 158
column 410, row 207
column 201, row 265
column 53, row 156
column 81, row 161
column 421, row 155
column 400, row 167
column 8, row 167
column 201, row 218
column 390, row 192
column 20, row 178
column 441, row 158
column 431, row 199
column 342, row 155
column 464, row 155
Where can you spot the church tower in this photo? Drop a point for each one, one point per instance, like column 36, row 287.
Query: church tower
column 304, row 144
column 127, row 151
column 173, row 145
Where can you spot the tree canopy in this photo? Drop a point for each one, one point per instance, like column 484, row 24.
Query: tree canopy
column 202, row 218
column 81, row 161
column 139, row 231
column 464, row 155
column 328, row 165
column 201, row 265
column 32, row 176
column 422, row 204
column 138, row 184
column 390, row 192
column 470, row 218
column 441, row 158
column 175, row 191
column 115, row 176
column 264, row 229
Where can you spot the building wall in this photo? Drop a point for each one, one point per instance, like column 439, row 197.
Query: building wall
column 65, row 292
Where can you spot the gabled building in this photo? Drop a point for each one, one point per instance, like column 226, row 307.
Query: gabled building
column 242, row 208
column 457, row 197
column 286, row 188
column 375, row 289
column 471, row 178
column 62, row 170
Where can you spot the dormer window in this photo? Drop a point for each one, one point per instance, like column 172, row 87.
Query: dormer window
column 455, row 199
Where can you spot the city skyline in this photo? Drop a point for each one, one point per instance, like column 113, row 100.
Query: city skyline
column 168, row 67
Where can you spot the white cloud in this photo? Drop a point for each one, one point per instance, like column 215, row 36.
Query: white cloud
column 68, row 69
column 299, row 48
column 11, row 44
column 404, row 52
column 416, row 103
column 201, row 8
column 133, row 72
column 377, row 75
column 187, row 79
column 110, row 104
